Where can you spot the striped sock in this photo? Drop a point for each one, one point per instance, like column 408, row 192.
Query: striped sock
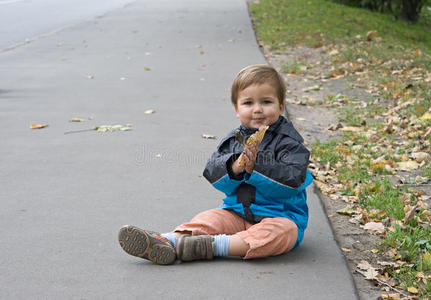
column 221, row 245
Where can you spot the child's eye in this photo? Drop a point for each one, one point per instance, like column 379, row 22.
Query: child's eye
column 247, row 102
column 267, row 101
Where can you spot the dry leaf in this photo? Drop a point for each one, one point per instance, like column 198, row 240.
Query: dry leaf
column 147, row 69
column 257, row 138
column 410, row 213
column 371, row 274
column 351, row 129
column 149, row 111
column 374, row 227
column 312, row 88
column 333, row 52
column 202, row 52
column 346, row 250
column 372, row 35
column 412, row 290
column 392, row 296
column 209, row 136
column 408, row 165
column 426, row 116
column 420, row 156
column 364, row 265
column 38, row 126
column 76, row 120
column 348, row 210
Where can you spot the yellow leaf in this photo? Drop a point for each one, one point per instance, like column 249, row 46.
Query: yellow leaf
column 147, row 69
column 38, row 126
column 412, row 290
column 426, row 116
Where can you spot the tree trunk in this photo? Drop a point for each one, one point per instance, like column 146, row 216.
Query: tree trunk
column 411, row 10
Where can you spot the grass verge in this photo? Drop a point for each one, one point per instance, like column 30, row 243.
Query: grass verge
column 391, row 60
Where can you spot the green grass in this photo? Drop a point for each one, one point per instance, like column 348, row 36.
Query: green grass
column 383, row 196
column 326, row 153
column 427, row 171
column 314, row 22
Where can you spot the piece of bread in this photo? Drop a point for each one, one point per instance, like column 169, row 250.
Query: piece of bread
column 257, row 138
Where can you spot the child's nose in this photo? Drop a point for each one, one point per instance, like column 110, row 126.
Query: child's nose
column 257, row 108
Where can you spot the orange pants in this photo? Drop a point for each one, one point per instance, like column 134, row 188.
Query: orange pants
column 272, row 236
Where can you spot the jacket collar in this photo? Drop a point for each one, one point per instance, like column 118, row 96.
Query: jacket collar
column 282, row 126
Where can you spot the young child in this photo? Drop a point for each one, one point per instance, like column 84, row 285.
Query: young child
column 264, row 212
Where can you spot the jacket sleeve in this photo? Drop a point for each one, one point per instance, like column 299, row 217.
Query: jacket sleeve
column 218, row 169
column 283, row 171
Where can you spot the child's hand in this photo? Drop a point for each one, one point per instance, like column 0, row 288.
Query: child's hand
column 249, row 154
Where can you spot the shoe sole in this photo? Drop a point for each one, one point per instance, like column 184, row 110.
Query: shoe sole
column 139, row 243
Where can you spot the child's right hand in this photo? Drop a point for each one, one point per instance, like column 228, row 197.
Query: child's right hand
column 249, row 155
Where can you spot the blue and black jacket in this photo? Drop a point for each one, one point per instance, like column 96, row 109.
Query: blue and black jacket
column 276, row 187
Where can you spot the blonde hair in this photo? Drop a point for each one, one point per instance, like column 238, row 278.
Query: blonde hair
column 258, row 74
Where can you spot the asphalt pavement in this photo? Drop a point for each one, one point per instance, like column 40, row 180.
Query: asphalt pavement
column 64, row 196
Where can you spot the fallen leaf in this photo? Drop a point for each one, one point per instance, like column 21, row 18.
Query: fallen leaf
column 417, row 53
column 408, row 165
column 426, row 116
column 347, row 211
column 346, row 250
column 333, row 52
column 412, row 290
column 149, row 111
column 364, row 265
column 351, row 129
column 312, row 88
column 371, row 274
column 209, row 136
column 38, row 126
column 147, row 69
column 76, row 120
column 337, row 73
column 202, row 52
column 375, row 227
column 392, row 296
column 420, row 156
column 409, row 213
column 372, row 35
column 105, row 128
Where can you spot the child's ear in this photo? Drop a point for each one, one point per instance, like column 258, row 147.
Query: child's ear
column 236, row 110
column 282, row 105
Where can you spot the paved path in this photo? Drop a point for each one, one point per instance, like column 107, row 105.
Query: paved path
column 64, row 197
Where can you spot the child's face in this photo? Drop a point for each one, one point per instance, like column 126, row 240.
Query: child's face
column 258, row 105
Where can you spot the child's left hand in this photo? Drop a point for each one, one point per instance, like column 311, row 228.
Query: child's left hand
column 250, row 155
